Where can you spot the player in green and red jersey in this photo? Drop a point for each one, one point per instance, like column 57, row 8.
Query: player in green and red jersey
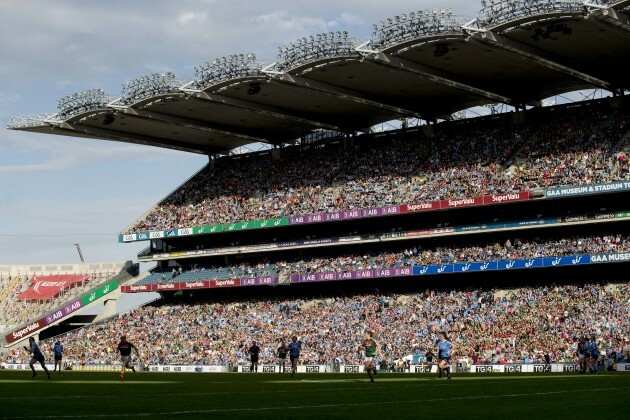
column 370, row 346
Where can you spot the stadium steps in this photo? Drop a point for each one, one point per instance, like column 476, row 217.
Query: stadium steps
column 515, row 157
column 146, row 213
column 624, row 141
column 313, row 303
column 139, row 278
column 9, row 288
column 500, row 294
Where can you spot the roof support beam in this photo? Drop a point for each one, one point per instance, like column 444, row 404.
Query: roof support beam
column 128, row 137
column 433, row 75
column 622, row 4
column 609, row 17
column 502, row 43
column 263, row 110
column 339, row 93
column 190, row 123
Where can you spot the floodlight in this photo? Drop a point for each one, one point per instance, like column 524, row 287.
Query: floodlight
column 414, row 25
column 229, row 67
column 81, row 102
column 496, row 11
column 323, row 45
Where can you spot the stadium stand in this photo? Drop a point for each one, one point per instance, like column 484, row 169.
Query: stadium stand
column 404, row 255
column 486, row 325
column 564, row 146
column 28, row 292
column 527, row 150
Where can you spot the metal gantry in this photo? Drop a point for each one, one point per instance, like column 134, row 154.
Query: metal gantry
column 315, row 47
column 149, row 86
column 226, row 68
column 80, row 102
column 413, row 25
column 33, row 120
column 494, row 12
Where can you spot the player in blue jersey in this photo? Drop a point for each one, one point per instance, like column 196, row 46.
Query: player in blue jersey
column 37, row 356
column 294, row 348
column 594, row 350
column 445, row 348
column 581, row 354
column 588, row 348
column 58, row 351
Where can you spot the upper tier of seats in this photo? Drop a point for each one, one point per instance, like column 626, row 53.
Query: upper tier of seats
column 554, row 147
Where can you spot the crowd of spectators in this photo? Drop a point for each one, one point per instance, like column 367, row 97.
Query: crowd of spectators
column 14, row 311
column 405, row 256
column 486, row 326
column 574, row 152
column 554, row 148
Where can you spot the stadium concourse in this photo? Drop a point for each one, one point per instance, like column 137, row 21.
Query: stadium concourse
column 519, row 325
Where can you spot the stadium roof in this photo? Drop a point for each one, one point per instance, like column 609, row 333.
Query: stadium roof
column 426, row 64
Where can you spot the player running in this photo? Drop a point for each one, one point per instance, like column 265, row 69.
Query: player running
column 38, row 356
column 594, row 350
column 294, row 348
column 581, row 354
column 588, row 356
column 370, row 345
column 429, row 357
column 58, row 351
column 445, row 348
column 124, row 347
column 254, row 351
column 282, row 357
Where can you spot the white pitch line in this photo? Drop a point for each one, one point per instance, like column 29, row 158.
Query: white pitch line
column 193, row 394
column 301, row 407
column 417, row 383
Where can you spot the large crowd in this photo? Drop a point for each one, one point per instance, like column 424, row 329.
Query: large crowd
column 405, row 256
column 554, row 148
column 486, row 326
column 14, row 311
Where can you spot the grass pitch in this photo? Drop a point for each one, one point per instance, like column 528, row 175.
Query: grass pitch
column 198, row 395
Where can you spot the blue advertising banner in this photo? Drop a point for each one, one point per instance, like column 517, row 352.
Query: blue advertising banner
column 432, row 269
column 520, row 264
column 474, row 267
column 565, row 261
